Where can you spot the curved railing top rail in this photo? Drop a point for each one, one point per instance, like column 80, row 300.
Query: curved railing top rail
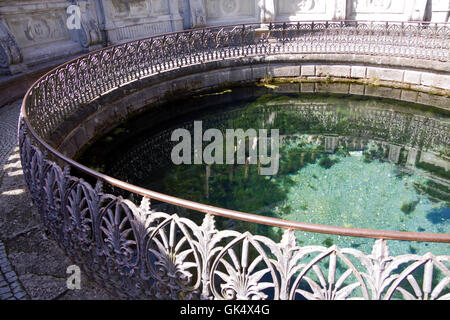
column 57, row 94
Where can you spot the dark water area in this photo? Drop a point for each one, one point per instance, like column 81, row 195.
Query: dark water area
column 342, row 160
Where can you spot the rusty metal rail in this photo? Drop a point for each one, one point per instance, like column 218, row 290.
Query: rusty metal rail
column 234, row 41
column 140, row 253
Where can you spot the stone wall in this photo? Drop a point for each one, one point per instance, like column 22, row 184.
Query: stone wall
column 32, row 33
column 130, row 19
column 36, row 32
column 338, row 73
column 39, row 32
column 218, row 12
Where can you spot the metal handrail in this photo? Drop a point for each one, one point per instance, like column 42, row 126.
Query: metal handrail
column 276, row 222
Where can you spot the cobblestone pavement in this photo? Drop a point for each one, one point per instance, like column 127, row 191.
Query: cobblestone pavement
column 10, row 287
column 9, row 116
column 32, row 266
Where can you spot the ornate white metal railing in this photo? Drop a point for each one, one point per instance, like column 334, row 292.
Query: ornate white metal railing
column 139, row 253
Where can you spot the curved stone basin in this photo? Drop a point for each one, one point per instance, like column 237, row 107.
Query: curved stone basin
column 345, row 160
column 138, row 250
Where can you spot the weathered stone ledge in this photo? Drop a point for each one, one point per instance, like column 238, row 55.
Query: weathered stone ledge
column 307, row 73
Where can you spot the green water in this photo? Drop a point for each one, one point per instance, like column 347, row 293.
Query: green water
column 344, row 161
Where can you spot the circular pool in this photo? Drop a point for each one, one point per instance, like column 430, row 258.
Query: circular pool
column 343, row 160
column 155, row 113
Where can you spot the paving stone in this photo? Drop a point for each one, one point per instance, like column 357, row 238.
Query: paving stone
column 6, row 296
column 17, row 291
column 9, row 116
column 8, row 131
column 33, row 254
column 4, row 290
column 21, row 295
column 6, row 268
column 11, row 276
column 14, row 285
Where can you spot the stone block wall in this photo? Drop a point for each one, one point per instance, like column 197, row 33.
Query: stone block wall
column 217, row 12
column 130, row 19
column 38, row 33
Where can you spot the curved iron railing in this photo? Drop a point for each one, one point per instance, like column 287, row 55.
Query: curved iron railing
column 138, row 252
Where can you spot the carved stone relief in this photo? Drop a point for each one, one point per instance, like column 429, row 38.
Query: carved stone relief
column 301, row 6
column 129, row 19
column 227, row 10
column 198, row 14
column 28, row 26
column 33, row 33
column 90, row 33
column 138, row 8
column 305, row 9
column 399, row 10
column 38, row 28
column 375, row 6
column 160, row 7
column 9, row 50
column 126, row 8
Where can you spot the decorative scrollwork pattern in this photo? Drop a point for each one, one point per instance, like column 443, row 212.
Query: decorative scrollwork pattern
column 53, row 99
column 137, row 252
